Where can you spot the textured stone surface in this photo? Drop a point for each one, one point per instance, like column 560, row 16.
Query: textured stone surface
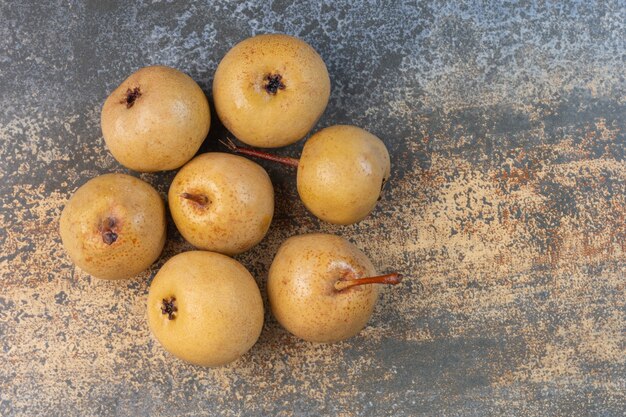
column 507, row 210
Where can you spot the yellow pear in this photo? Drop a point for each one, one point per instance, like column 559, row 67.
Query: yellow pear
column 222, row 202
column 322, row 288
column 270, row 90
column 341, row 173
column 205, row 308
column 114, row 226
column 155, row 120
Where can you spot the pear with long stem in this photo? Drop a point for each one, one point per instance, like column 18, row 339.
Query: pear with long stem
column 340, row 174
column 322, row 288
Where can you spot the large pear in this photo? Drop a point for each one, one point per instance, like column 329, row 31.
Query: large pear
column 270, row 90
column 155, row 120
column 205, row 308
column 114, row 226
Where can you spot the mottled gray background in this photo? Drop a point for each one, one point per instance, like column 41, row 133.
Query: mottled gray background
column 507, row 210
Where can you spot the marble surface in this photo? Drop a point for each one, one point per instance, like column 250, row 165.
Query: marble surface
column 506, row 210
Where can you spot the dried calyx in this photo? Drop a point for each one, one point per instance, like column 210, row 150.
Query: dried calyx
column 273, row 83
column 108, row 230
column 169, row 308
column 131, row 96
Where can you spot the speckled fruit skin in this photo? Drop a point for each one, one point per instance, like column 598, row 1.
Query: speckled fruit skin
column 240, row 202
column 163, row 128
column 257, row 117
column 139, row 224
column 341, row 173
column 301, row 291
column 219, row 313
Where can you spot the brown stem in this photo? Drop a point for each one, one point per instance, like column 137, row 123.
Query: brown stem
column 200, row 199
column 391, row 279
column 285, row 160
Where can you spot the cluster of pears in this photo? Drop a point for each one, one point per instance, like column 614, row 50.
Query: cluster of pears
column 203, row 306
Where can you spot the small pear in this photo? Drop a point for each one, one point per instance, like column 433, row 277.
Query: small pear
column 341, row 172
column 322, row 288
column 155, row 120
column 114, row 226
column 222, row 202
column 205, row 308
column 270, row 90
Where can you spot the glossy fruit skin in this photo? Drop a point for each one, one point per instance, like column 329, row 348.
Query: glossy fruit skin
column 139, row 224
column 263, row 119
column 341, row 173
column 163, row 128
column 301, row 292
column 240, row 208
column 219, row 313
